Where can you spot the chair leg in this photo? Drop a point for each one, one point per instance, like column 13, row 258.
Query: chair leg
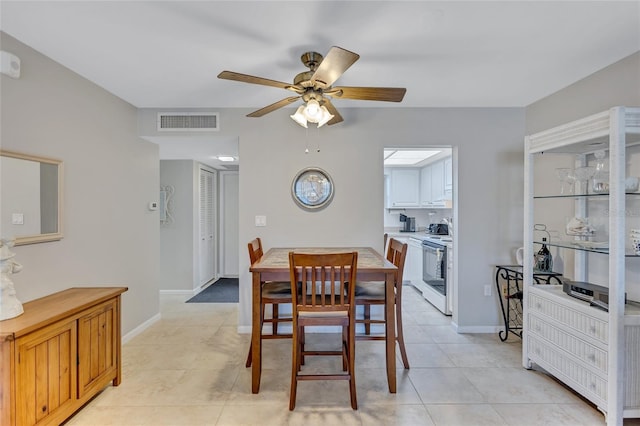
column 400, row 336
column 301, row 336
column 248, row 363
column 367, row 318
column 295, row 367
column 352, row 366
column 274, row 318
column 345, row 349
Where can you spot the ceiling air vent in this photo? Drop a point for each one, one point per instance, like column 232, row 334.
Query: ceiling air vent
column 190, row 121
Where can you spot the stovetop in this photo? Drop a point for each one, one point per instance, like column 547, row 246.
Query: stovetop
column 438, row 238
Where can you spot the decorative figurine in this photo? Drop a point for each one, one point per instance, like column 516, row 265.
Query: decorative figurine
column 10, row 306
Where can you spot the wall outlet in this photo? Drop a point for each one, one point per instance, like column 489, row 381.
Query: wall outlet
column 261, row 221
column 487, row 290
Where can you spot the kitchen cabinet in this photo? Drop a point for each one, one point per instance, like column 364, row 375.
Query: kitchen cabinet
column 58, row 354
column 413, row 261
column 404, row 187
column 433, row 184
column 593, row 351
column 448, row 178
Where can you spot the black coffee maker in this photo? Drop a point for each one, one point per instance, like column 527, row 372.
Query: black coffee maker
column 409, row 223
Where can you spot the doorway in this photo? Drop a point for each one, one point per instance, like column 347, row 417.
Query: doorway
column 207, row 220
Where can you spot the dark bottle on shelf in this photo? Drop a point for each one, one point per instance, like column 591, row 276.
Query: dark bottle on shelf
column 544, row 260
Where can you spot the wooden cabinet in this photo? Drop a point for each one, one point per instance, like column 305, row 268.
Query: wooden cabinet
column 58, row 354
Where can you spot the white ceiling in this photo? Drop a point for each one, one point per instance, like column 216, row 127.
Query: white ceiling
column 164, row 54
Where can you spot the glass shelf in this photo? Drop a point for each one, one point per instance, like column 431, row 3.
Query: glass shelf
column 575, row 245
column 604, row 196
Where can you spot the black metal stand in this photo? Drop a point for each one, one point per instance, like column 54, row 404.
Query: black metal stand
column 512, row 313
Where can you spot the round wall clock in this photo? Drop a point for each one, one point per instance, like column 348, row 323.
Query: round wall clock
column 312, row 188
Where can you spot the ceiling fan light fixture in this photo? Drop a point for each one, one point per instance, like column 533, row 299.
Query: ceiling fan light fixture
column 312, row 111
column 299, row 117
column 326, row 116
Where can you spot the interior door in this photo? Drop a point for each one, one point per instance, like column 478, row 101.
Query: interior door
column 207, row 226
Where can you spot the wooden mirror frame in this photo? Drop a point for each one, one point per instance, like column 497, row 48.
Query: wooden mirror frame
column 53, row 236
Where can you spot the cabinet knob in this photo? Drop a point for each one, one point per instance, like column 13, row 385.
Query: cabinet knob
column 44, row 408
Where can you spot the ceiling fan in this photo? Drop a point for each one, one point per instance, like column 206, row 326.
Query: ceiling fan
column 315, row 88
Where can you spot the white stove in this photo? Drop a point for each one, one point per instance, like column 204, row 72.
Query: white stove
column 437, row 269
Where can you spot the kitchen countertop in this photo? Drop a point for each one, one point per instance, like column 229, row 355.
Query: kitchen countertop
column 422, row 235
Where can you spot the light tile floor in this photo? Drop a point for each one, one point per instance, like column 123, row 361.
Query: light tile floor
column 188, row 369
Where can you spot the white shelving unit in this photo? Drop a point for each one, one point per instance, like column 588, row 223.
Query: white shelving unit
column 597, row 353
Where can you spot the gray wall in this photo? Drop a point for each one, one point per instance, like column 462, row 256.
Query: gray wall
column 177, row 247
column 488, row 148
column 110, row 237
column 617, row 84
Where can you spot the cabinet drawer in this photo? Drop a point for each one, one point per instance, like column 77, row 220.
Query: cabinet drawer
column 574, row 374
column 566, row 316
column 578, row 348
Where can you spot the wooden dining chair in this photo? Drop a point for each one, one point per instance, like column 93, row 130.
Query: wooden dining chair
column 373, row 293
column 325, row 299
column 273, row 293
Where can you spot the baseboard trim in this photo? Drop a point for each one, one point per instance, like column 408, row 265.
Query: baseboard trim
column 139, row 329
column 180, row 292
column 479, row 329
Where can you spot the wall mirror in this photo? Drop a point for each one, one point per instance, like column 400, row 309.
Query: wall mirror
column 31, row 201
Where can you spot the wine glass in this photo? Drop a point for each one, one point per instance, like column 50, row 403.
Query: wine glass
column 600, row 154
column 563, row 175
column 583, row 174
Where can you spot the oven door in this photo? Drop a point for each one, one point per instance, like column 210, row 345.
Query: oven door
column 434, row 266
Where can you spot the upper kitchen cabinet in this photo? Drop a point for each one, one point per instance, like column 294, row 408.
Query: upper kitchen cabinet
column 404, row 188
column 448, row 178
column 434, row 180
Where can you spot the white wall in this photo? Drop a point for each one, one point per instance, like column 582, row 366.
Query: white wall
column 110, row 237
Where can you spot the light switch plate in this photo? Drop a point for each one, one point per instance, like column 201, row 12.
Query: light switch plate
column 17, row 219
column 261, row 221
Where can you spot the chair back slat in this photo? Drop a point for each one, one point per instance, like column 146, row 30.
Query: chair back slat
column 255, row 250
column 397, row 254
column 325, row 280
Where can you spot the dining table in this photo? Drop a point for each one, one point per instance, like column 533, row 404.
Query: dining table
column 371, row 266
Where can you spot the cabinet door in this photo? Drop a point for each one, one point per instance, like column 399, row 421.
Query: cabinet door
column 97, row 347
column 405, row 188
column 425, row 186
column 46, row 374
column 413, row 263
column 448, row 178
column 437, row 181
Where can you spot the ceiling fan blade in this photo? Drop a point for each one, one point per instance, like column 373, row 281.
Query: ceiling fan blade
column 245, row 78
column 336, row 115
column 389, row 94
column 273, row 107
column 334, row 64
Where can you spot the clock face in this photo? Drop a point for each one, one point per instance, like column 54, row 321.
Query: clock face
column 312, row 188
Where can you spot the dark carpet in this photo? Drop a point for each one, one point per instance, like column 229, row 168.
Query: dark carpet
column 225, row 290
